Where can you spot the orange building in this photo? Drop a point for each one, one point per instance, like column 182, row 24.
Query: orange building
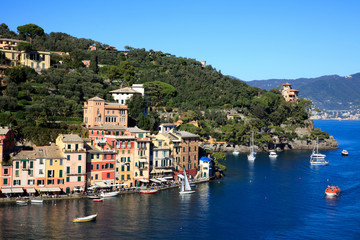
column 290, row 94
column 97, row 112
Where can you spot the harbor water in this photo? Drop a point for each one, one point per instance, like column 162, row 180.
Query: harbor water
column 265, row 199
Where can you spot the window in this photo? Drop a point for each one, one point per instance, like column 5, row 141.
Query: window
column 40, row 182
column 51, row 162
column 68, row 157
column 108, row 175
column 17, row 182
column 17, row 173
column 41, row 171
column 79, row 178
column 183, row 149
column 5, row 181
column 24, row 164
column 67, row 170
column 128, row 159
column 122, row 177
column 128, row 176
column 195, row 148
column 91, row 167
column 69, row 146
column 41, row 161
column 141, row 173
column 122, row 168
column 60, row 173
column 31, row 182
column 50, row 173
column 79, row 157
column 128, row 168
column 97, row 166
column 67, row 179
column 31, row 164
column 79, row 169
column 6, row 171
column 96, row 176
column 31, row 173
column 61, row 162
column 50, row 181
column 195, row 157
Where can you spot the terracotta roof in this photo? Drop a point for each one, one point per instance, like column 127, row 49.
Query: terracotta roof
column 286, row 84
column 40, row 152
column 136, row 130
column 108, row 127
column 125, row 90
column 294, row 90
column 96, row 99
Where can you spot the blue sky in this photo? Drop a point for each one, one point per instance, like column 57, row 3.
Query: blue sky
column 251, row 40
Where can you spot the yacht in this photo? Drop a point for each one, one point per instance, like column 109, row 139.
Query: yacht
column 272, row 154
column 251, row 156
column 317, row 158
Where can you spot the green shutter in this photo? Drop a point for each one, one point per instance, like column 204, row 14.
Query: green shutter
column 61, row 173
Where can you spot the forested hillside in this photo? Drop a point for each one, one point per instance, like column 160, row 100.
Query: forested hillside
column 39, row 106
column 327, row 92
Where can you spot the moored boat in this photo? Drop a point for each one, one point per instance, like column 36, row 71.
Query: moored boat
column 93, row 197
column 317, row 158
column 185, row 186
column 251, row 155
column 21, row 202
column 109, row 194
column 85, row 219
column 37, row 201
column 332, row 191
column 98, row 199
column 272, row 154
column 235, row 152
column 344, row 153
column 148, row 191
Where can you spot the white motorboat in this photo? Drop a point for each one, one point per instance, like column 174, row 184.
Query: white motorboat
column 185, row 186
column 36, row 201
column 85, row 219
column 235, row 152
column 251, row 155
column 109, row 194
column 344, row 153
column 272, row 154
column 21, row 202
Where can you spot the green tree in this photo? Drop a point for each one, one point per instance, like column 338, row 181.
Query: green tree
column 30, row 30
column 159, row 92
column 94, row 64
column 136, row 105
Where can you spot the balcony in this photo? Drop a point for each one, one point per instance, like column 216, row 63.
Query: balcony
column 100, row 141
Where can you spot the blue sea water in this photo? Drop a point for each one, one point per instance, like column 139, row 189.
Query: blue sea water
column 266, row 199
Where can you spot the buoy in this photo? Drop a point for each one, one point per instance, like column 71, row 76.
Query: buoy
column 265, row 197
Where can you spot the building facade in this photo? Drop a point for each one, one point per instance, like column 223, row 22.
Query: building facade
column 123, row 94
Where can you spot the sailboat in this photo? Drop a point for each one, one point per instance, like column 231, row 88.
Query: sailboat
column 317, row 158
column 251, row 155
column 185, row 186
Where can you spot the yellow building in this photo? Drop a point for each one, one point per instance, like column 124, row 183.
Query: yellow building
column 37, row 60
column 55, row 162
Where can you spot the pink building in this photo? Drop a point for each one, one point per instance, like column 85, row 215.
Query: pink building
column 7, row 139
column 97, row 112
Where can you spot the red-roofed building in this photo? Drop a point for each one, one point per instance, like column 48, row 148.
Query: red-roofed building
column 290, row 94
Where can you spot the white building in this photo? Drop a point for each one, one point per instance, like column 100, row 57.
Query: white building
column 123, row 94
column 206, row 166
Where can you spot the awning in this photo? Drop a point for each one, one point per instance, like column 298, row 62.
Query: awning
column 155, row 171
column 17, row 190
column 43, row 189
column 54, row 189
column 155, row 180
column 180, row 176
column 142, row 160
column 6, row 190
column 168, row 177
column 167, row 171
column 162, row 179
column 31, row 190
column 102, row 184
column 144, row 180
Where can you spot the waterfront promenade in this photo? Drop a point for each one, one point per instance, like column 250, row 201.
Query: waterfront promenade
column 85, row 195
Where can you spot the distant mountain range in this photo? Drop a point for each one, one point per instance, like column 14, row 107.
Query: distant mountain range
column 327, row 92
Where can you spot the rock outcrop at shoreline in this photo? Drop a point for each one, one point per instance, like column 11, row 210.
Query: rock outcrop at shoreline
column 326, row 144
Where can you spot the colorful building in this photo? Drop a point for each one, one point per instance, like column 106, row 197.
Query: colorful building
column 74, row 150
column 123, row 94
column 97, row 112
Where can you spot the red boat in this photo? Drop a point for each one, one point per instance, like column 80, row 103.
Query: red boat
column 332, row 191
column 148, row 191
column 98, row 200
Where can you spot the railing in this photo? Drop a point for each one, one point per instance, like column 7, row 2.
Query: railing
column 103, row 141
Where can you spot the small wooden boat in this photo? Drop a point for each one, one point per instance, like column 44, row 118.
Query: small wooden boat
column 98, row 200
column 344, row 153
column 332, row 191
column 148, row 191
column 85, row 219
column 22, row 202
column 37, row 201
